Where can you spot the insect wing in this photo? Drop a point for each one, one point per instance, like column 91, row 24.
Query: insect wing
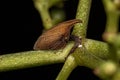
column 45, row 42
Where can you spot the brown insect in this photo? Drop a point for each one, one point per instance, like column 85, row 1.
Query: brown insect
column 56, row 37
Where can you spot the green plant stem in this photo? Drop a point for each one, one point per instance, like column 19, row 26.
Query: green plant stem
column 117, row 45
column 97, row 54
column 33, row 58
column 112, row 23
column 82, row 14
column 112, row 26
column 37, row 58
column 117, row 75
column 43, row 8
column 86, row 59
column 54, row 2
column 97, row 48
column 69, row 66
column 93, row 56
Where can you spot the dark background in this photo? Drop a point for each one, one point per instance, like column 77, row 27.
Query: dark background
column 20, row 27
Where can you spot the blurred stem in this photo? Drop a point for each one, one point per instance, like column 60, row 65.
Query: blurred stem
column 116, row 48
column 82, row 14
column 117, row 75
column 43, row 8
column 112, row 24
column 69, row 66
column 54, row 2
column 111, row 28
column 58, row 15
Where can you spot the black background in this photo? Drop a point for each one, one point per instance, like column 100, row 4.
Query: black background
column 20, row 27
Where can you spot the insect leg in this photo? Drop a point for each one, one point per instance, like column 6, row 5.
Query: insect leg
column 77, row 42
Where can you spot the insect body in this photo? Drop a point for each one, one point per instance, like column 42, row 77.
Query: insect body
column 56, row 37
